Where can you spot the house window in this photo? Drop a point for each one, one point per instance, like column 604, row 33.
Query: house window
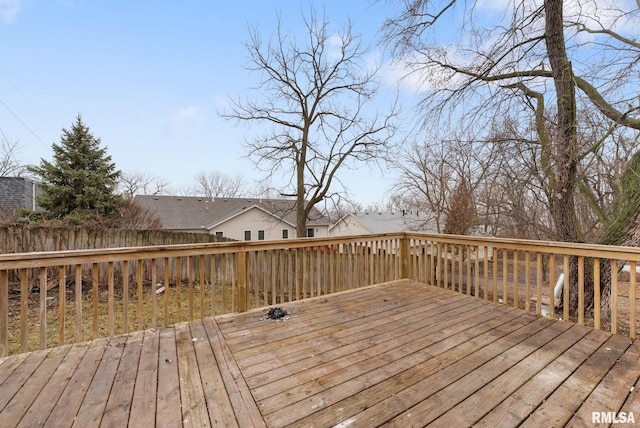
column 310, row 233
column 247, row 235
column 285, row 233
column 261, row 235
column 219, row 234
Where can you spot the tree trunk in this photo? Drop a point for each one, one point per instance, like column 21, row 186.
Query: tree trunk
column 301, row 164
column 301, row 216
column 566, row 144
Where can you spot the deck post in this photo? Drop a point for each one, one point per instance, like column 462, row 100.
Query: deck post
column 405, row 266
column 241, row 301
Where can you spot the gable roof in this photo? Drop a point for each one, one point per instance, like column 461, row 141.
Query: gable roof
column 198, row 212
column 387, row 222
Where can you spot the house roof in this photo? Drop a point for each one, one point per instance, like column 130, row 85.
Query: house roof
column 196, row 212
column 390, row 222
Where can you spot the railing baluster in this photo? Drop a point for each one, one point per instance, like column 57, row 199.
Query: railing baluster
column 167, row 291
column 452, row 257
column 223, row 279
column 234, row 282
column 62, row 300
column 154, row 296
column 486, row 272
column 495, row 277
column 43, row 308
column 241, row 282
column 447, row 264
column 539, row 283
column 212, row 283
column 596, row 293
column 613, row 305
column 78, row 284
column 4, row 313
column 469, row 280
column 190, row 288
column 516, row 279
column 179, row 288
column 312, row 268
column 477, row 273
column 139, row 294
column 581, row 290
column 371, row 249
column 110, row 298
column 633, row 323
column 125, row 295
column 552, row 281
column 24, row 309
column 527, row 281
column 460, row 261
column 280, row 282
column 265, row 278
column 201, row 283
column 505, row 277
column 565, row 288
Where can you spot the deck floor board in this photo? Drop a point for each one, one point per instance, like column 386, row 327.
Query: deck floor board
column 396, row 354
column 116, row 412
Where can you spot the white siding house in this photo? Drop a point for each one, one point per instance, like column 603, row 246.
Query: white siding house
column 242, row 219
column 382, row 222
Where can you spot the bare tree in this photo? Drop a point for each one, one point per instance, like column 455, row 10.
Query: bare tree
column 135, row 217
column 216, row 184
column 462, row 215
column 10, row 166
column 318, row 98
column 133, row 183
column 426, row 179
column 523, row 64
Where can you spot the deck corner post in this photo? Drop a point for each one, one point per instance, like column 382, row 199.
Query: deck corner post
column 404, row 257
column 241, row 301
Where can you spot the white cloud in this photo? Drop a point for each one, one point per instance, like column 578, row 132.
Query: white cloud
column 185, row 118
column 416, row 75
column 9, row 9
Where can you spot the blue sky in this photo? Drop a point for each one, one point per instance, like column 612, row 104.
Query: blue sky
column 148, row 77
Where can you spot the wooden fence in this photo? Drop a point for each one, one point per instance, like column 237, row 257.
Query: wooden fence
column 27, row 239
column 116, row 290
column 30, row 239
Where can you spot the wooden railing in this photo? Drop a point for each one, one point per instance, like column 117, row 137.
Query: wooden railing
column 117, row 290
column 519, row 272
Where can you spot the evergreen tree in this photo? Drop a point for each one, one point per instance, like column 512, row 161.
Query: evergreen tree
column 81, row 179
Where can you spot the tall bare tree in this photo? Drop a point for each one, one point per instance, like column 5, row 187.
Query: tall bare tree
column 523, row 63
column 10, row 165
column 133, row 183
column 426, row 178
column 318, row 104
column 217, row 184
column 462, row 214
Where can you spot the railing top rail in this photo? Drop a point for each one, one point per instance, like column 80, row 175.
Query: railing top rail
column 556, row 247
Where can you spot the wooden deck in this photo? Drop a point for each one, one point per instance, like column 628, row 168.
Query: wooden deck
column 395, row 354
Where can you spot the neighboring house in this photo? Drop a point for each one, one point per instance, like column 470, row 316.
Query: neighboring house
column 383, row 222
column 379, row 222
column 18, row 192
column 243, row 219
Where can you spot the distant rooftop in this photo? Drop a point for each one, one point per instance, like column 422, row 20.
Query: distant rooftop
column 191, row 212
column 390, row 222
